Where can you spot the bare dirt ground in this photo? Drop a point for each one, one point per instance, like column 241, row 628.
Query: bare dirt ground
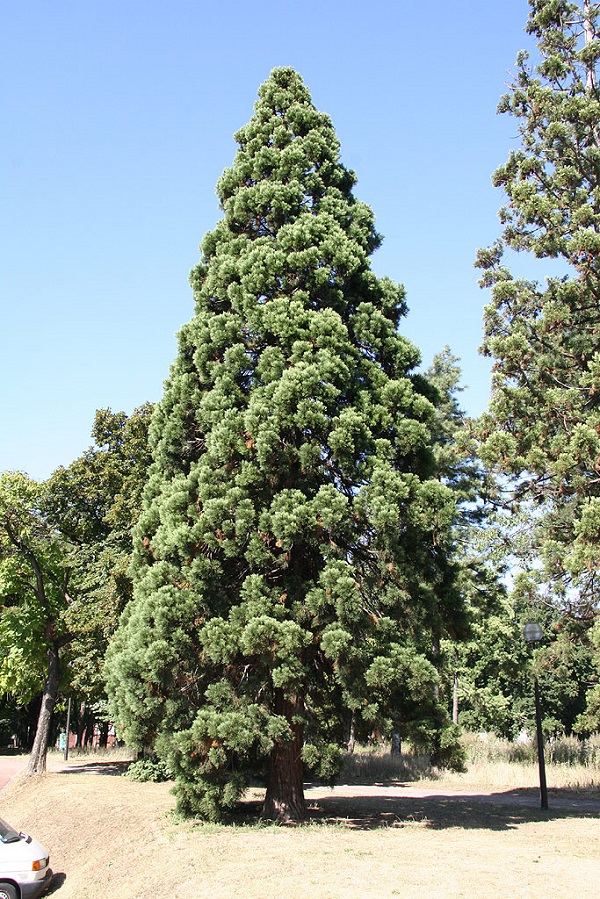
column 110, row 836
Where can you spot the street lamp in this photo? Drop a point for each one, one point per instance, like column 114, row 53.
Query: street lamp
column 532, row 632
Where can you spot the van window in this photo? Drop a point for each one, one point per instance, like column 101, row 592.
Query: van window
column 7, row 833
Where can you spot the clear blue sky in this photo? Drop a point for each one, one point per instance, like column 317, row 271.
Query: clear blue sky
column 118, row 118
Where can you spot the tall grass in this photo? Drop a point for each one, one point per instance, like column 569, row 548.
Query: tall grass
column 491, row 764
column 559, row 751
column 99, row 753
column 371, row 766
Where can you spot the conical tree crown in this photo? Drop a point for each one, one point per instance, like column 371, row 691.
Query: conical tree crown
column 291, row 518
column 293, row 242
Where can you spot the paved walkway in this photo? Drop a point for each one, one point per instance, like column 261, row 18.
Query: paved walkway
column 10, row 765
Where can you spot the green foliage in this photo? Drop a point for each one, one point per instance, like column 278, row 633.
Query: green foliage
column 148, row 770
column 565, row 671
column 34, row 584
column 494, row 666
column 22, row 638
column 65, row 547
column 543, row 423
column 292, row 559
column 541, row 431
column 494, row 683
column 588, row 721
column 34, row 574
column 94, row 504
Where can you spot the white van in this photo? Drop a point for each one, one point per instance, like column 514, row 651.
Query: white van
column 24, row 865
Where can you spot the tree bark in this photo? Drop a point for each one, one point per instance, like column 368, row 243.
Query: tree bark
column 37, row 758
column 103, row 743
column 436, row 652
column 455, row 699
column 589, row 37
column 284, row 800
column 350, row 742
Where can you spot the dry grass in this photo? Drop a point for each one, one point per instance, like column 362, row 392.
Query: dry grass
column 511, row 775
column 110, row 836
column 492, row 764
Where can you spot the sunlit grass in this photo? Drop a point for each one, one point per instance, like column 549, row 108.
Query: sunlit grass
column 491, row 764
column 104, row 753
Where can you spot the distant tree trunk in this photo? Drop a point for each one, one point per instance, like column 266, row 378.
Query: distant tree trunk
column 103, row 735
column 284, row 800
column 85, row 726
column 436, row 653
column 455, row 699
column 90, row 726
column 396, row 747
column 351, row 733
column 37, row 758
column 79, row 725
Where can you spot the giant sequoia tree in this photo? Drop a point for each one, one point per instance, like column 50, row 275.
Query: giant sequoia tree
column 543, row 427
column 291, row 564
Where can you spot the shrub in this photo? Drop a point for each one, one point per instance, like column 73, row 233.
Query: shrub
column 146, row 770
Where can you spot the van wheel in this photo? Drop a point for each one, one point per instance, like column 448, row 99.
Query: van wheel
column 8, row 891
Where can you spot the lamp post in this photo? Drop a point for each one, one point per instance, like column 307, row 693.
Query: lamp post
column 532, row 632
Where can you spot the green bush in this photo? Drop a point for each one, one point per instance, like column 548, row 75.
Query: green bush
column 146, row 770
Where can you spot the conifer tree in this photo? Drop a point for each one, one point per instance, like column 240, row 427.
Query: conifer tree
column 543, row 426
column 291, row 562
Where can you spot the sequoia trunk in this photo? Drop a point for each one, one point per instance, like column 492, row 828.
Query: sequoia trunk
column 284, row 800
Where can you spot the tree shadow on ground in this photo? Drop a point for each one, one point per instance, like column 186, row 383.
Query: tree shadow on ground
column 496, row 811
column 90, row 766
column 433, row 812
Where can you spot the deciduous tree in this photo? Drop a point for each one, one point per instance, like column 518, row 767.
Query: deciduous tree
column 65, row 548
column 94, row 503
column 34, row 588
